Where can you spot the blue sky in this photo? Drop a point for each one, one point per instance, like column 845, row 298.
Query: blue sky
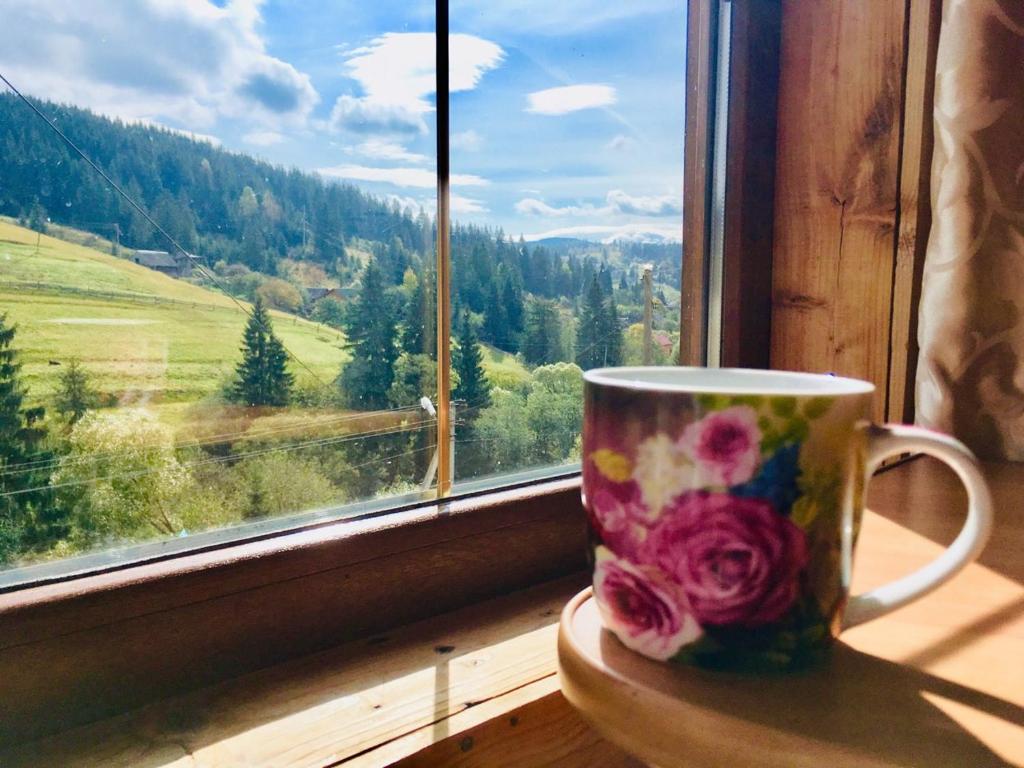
column 567, row 117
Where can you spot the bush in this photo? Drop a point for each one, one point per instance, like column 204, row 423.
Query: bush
column 279, row 294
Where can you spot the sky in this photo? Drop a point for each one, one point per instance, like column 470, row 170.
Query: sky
column 566, row 117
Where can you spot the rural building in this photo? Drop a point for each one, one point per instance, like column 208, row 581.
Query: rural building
column 178, row 265
column 341, row 294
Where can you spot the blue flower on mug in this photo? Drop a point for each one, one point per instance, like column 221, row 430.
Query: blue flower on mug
column 777, row 480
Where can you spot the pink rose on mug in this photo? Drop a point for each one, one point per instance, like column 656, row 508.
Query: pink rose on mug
column 648, row 613
column 737, row 559
column 725, row 445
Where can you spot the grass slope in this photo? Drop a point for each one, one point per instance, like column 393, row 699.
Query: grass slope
column 144, row 336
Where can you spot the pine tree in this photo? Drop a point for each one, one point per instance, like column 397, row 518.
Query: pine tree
column 467, row 360
column 496, row 319
column 590, row 340
column 75, row 395
column 262, row 376
column 542, row 343
column 23, row 493
column 370, row 326
column 611, row 330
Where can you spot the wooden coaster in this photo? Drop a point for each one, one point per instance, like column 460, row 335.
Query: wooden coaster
column 852, row 710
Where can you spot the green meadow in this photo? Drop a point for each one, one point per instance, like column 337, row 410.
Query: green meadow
column 143, row 336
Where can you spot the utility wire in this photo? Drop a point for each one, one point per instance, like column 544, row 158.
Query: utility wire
column 207, row 273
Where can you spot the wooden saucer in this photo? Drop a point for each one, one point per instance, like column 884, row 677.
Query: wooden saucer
column 853, row 710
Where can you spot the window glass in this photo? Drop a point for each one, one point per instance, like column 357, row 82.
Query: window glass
column 237, row 323
column 567, row 165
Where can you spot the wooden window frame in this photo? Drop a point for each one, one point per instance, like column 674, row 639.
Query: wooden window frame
column 89, row 647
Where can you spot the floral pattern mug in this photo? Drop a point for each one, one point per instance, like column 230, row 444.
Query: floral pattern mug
column 724, row 506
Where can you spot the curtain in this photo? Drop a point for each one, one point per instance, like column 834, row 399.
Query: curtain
column 970, row 375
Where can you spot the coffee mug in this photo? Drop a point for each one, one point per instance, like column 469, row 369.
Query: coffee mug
column 724, row 506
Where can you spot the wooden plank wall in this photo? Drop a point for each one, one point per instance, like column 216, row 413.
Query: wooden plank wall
column 842, row 90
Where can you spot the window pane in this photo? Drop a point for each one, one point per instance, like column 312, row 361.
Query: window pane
column 248, row 331
column 567, row 166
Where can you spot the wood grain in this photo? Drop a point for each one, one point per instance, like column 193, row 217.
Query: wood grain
column 546, row 731
column 915, row 203
column 336, row 705
column 101, row 651
column 936, row 683
column 750, row 183
column 839, row 118
column 700, row 89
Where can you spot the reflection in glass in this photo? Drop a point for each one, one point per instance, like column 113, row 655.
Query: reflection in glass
column 567, row 163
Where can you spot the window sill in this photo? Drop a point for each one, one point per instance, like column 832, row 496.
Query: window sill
column 89, row 648
column 418, row 695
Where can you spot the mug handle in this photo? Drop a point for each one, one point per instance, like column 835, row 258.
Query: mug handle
column 891, row 439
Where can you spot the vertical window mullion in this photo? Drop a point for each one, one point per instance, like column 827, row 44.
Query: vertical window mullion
column 444, row 414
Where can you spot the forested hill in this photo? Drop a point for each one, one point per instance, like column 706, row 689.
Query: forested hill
column 220, row 204
column 233, row 209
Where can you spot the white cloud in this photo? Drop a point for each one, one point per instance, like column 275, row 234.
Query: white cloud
column 383, row 149
column 616, row 202
column 188, row 63
column 658, row 205
column 560, row 18
column 570, row 98
column 412, row 204
column 467, row 141
column 400, row 177
column 461, row 204
column 263, row 138
column 396, row 75
column 639, row 232
column 620, row 143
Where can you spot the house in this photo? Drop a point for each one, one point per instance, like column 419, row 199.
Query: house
column 161, row 261
column 340, row 294
column 177, row 265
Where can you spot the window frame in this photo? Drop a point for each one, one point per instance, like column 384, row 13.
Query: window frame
column 90, row 646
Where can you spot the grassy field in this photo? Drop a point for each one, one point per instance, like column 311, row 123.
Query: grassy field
column 145, row 337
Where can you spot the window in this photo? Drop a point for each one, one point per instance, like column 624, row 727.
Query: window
column 218, row 266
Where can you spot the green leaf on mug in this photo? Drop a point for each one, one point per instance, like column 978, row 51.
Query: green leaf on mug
column 711, row 402
column 783, row 406
column 816, row 407
column 754, row 401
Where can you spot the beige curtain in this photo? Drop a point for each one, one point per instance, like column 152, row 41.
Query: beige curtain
column 970, row 378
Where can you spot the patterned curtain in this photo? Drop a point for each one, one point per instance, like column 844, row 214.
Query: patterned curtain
column 970, row 379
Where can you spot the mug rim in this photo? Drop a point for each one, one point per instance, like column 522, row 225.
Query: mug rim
column 730, row 381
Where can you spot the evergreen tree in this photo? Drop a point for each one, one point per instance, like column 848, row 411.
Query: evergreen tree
column 262, row 376
column 496, row 319
column 370, row 326
column 467, row 360
column 418, row 320
column 75, row 395
column 592, row 322
column 611, row 330
column 23, row 493
column 542, row 340
column 37, row 218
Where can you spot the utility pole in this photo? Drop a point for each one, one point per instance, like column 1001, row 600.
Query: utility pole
column 648, row 321
column 117, row 239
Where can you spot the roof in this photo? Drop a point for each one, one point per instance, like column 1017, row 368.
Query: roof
column 153, row 259
column 315, row 294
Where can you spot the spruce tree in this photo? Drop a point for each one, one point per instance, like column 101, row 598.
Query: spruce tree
column 542, row 343
column 592, row 323
column 370, row 326
column 75, row 395
column 467, row 360
column 611, row 330
column 23, row 492
column 262, row 378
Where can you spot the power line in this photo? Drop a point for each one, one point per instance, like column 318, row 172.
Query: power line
column 195, row 262
column 43, row 465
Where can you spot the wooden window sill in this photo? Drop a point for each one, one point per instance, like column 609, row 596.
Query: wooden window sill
column 410, row 695
column 476, row 686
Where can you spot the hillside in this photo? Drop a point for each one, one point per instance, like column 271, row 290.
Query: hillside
column 142, row 335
